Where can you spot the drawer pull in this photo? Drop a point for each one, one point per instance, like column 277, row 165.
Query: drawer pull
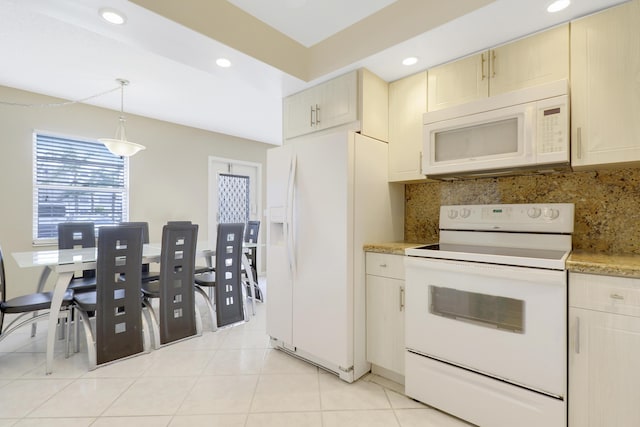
column 383, row 265
column 617, row 296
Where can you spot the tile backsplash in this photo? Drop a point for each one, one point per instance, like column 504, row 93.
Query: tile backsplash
column 607, row 204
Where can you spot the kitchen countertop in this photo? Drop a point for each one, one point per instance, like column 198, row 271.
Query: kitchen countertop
column 625, row 265
column 394, row 248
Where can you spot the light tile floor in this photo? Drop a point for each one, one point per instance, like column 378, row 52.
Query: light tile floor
column 226, row 378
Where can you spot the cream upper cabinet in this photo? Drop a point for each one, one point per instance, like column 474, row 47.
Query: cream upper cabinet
column 458, row 82
column 358, row 95
column 407, row 104
column 604, row 351
column 373, row 105
column 533, row 60
column 605, row 88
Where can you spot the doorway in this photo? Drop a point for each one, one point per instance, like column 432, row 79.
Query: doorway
column 235, row 195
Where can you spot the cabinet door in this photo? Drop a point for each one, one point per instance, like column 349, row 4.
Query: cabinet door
column 458, row 82
column 537, row 59
column 299, row 119
column 605, row 87
column 385, row 323
column 407, row 104
column 604, row 373
column 338, row 101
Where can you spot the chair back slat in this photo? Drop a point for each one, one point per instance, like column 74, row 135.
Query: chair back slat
column 177, row 298
column 119, row 300
column 229, row 300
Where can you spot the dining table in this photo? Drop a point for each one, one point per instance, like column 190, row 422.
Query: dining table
column 63, row 263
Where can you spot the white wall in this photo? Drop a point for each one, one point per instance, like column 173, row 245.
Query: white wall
column 168, row 180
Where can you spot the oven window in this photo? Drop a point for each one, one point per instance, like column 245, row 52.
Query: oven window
column 484, row 310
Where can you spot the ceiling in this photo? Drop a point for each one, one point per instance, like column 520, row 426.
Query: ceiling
column 167, row 50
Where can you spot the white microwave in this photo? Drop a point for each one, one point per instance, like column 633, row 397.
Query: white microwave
column 524, row 130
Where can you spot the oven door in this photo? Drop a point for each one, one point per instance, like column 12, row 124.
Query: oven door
column 502, row 321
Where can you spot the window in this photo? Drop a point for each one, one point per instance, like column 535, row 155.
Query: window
column 76, row 180
column 233, row 198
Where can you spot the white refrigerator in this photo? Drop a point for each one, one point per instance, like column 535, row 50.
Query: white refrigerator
column 327, row 195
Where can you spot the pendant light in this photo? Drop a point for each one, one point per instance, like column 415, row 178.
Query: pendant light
column 119, row 145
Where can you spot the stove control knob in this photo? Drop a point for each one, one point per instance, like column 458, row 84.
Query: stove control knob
column 534, row 212
column 465, row 213
column 452, row 214
column 551, row 213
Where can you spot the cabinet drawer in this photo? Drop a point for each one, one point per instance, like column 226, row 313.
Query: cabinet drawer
column 385, row 265
column 619, row 295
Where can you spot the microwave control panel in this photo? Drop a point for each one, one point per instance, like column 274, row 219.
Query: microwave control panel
column 553, row 121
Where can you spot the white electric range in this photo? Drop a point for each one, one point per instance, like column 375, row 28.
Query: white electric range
column 486, row 315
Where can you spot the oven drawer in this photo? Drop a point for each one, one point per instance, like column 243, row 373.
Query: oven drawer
column 385, row 265
column 618, row 295
column 495, row 403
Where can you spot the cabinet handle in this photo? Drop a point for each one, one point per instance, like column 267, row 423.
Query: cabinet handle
column 317, row 114
column 482, row 61
column 311, row 116
column 401, row 298
column 493, row 63
column 617, row 296
column 577, row 342
column 579, row 154
column 383, row 265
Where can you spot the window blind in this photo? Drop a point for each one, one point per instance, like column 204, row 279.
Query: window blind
column 76, row 180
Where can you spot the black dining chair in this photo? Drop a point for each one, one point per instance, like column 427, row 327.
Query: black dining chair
column 121, row 330
column 29, row 308
column 251, row 236
column 198, row 268
column 72, row 235
column 147, row 274
column 177, row 318
column 227, row 306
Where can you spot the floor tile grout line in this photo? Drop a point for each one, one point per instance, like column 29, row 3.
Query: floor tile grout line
column 255, row 390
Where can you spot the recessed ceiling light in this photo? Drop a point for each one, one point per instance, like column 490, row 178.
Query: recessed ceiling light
column 410, row 60
column 223, row 62
column 558, row 5
column 112, row 16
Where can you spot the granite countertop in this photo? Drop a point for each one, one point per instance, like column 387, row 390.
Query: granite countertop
column 394, row 248
column 625, row 265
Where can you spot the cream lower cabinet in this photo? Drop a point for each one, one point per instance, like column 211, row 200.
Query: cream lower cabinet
column 604, row 351
column 530, row 61
column 407, row 105
column 385, row 314
column 605, row 88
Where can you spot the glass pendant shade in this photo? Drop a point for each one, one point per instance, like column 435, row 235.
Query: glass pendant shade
column 119, row 145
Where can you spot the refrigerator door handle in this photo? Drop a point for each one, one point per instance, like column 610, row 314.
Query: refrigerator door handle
column 290, row 238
